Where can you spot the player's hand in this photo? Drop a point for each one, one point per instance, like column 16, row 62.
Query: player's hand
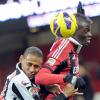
column 70, row 91
column 55, row 89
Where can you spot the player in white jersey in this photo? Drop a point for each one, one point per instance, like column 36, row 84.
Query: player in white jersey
column 20, row 84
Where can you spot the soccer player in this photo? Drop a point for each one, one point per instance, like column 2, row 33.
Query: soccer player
column 20, row 84
column 62, row 65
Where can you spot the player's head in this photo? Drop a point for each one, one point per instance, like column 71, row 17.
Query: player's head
column 83, row 33
column 31, row 61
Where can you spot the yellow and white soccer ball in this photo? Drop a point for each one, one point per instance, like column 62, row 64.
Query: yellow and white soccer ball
column 63, row 25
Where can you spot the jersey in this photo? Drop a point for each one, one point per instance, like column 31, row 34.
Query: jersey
column 19, row 87
column 62, row 50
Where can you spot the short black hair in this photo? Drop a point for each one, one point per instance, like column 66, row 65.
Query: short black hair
column 34, row 51
column 82, row 18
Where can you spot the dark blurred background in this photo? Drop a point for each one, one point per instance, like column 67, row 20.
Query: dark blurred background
column 16, row 35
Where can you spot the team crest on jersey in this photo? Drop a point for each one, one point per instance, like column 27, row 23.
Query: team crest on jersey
column 51, row 61
column 34, row 91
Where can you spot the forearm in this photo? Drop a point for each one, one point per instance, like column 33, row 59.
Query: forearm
column 45, row 77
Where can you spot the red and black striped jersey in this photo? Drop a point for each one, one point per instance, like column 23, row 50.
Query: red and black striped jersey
column 64, row 50
column 53, row 72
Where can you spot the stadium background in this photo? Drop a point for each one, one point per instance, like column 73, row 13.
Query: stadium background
column 16, row 35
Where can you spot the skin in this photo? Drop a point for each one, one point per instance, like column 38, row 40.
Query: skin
column 83, row 35
column 71, row 91
column 31, row 64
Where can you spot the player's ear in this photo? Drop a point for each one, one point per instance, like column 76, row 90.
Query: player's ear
column 21, row 58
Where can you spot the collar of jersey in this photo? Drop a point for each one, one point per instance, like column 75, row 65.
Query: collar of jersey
column 76, row 43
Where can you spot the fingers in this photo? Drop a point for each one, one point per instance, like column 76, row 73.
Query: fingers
column 56, row 93
column 56, row 90
column 78, row 93
column 72, row 92
column 59, row 89
column 75, row 90
column 68, row 91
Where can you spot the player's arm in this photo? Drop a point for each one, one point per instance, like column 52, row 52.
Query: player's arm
column 49, row 75
column 45, row 74
column 46, row 77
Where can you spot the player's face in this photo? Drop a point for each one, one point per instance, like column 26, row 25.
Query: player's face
column 31, row 65
column 84, row 34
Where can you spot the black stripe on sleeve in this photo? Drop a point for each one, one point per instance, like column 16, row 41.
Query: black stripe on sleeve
column 16, row 91
column 72, row 62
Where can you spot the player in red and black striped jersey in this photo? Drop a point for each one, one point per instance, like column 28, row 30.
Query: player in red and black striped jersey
column 62, row 65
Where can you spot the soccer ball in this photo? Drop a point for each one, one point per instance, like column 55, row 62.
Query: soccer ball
column 63, row 25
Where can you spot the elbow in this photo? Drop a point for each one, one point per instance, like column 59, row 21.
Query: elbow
column 41, row 77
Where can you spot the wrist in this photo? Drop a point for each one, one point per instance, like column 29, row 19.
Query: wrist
column 70, row 79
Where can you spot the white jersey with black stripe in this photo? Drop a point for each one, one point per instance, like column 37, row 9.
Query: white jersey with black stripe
column 19, row 87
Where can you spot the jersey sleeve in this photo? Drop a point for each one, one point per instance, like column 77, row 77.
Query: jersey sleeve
column 45, row 77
